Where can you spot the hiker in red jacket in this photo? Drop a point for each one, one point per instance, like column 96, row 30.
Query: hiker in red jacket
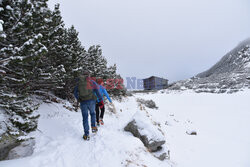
column 103, row 91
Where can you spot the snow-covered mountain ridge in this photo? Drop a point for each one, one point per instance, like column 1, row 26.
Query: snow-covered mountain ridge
column 230, row 74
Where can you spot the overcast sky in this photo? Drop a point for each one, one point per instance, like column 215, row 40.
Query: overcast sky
column 174, row 39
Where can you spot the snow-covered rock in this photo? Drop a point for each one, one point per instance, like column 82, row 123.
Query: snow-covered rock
column 8, row 140
column 142, row 128
column 191, row 132
column 7, row 143
column 148, row 103
column 25, row 149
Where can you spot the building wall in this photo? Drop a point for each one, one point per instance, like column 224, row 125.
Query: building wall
column 155, row 83
column 149, row 83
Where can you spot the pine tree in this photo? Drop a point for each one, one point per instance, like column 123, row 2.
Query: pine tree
column 38, row 54
column 74, row 54
column 117, row 88
column 50, row 24
column 41, row 16
column 95, row 63
column 20, row 49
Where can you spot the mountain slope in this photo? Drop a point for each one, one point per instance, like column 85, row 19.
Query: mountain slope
column 234, row 60
column 230, row 74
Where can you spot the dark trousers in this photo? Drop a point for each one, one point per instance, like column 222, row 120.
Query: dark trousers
column 97, row 110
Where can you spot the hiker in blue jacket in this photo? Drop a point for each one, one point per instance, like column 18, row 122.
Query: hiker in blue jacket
column 99, row 117
column 87, row 92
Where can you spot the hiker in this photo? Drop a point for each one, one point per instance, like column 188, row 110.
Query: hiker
column 99, row 117
column 87, row 92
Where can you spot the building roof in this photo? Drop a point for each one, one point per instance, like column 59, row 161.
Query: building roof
column 154, row 77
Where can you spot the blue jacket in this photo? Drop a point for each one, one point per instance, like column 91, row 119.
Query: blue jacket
column 96, row 91
column 103, row 92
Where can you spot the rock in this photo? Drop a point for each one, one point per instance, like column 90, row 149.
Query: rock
column 129, row 93
column 142, row 128
column 7, row 143
column 23, row 150
column 55, row 100
column 69, row 108
column 162, row 157
column 191, row 132
column 148, row 103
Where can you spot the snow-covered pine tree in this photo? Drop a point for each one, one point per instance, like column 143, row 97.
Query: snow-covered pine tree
column 57, row 51
column 74, row 55
column 115, row 80
column 51, row 26
column 95, row 63
column 19, row 49
column 39, row 54
column 75, row 52
column 41, row 14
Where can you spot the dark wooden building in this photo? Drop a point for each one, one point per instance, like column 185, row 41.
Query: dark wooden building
column 155, row 83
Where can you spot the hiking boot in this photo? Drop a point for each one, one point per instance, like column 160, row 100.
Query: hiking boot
column 94, row 129
column 86, row 137
column 101, row 122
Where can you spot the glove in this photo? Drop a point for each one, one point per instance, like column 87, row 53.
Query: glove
column 101, row 104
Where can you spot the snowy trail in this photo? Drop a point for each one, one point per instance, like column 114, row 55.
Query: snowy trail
column 221, row 122
column 59, row 142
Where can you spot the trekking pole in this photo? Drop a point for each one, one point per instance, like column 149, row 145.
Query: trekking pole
column 114, row 109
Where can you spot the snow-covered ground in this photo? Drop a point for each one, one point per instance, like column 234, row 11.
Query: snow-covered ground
column 220, row 120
